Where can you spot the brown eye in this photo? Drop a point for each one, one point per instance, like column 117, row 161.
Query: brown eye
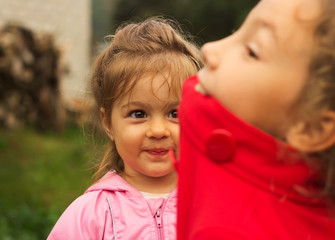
column 138, row 114
column 173, row 114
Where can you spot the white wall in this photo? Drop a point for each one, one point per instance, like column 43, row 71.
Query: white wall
column 70, row 22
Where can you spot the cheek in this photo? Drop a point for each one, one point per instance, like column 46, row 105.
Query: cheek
column 125, row 135
column 128, row 134
column 229, row 82
column 228, row 89
column 127, row 147
column 175, row 133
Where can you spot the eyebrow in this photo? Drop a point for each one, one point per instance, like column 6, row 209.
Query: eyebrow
column 143, row 104
column 128, row 104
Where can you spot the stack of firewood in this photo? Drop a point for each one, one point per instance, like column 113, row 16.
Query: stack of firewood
column 30, row 75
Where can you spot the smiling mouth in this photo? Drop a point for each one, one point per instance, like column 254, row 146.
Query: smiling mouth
column 157, row 152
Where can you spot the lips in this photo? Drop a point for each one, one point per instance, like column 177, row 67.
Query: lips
column 157, row 152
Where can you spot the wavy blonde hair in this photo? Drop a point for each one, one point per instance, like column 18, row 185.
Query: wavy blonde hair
column 319, row 92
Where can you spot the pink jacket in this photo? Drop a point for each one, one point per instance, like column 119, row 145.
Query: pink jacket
column 112, row 209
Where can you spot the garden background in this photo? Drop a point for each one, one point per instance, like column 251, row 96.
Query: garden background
column 43, row 169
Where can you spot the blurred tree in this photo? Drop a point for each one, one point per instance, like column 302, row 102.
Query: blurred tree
column 101, row 14
column 207, row 20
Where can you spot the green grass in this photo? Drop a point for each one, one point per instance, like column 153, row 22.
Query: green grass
column 40, row 175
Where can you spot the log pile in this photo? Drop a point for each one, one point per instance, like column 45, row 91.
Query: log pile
column 30, row 75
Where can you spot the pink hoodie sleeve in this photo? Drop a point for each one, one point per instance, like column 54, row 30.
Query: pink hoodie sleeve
column 85, row 218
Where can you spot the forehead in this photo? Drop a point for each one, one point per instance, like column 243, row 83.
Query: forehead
column 305, row 9
column 148, row 87
column 292, row 22
column 288, row 10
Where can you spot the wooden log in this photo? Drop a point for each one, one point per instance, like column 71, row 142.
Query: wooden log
column 30, row 76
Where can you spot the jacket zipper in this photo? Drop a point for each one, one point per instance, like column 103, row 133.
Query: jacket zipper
column 158, row 219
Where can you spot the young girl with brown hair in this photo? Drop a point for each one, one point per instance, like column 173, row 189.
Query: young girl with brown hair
column 136, row 83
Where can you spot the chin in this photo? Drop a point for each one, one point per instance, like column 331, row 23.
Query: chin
column 161, row 174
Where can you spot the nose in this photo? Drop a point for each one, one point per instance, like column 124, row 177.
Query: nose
column 211, row 53
column 158, row 128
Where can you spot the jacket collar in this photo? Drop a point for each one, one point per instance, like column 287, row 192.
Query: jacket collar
column 259, row 158
column 111, row 181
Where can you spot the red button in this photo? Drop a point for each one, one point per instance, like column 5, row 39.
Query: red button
column 221, row 146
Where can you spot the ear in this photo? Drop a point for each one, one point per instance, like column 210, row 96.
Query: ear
column 313, row 138
column 106, row 124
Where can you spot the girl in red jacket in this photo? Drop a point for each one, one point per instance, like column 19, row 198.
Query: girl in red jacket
column 257, row 154
column 136, row 83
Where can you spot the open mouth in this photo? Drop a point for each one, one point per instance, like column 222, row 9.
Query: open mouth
column 200, row 89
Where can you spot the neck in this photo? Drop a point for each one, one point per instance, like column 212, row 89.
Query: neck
column 164, row 184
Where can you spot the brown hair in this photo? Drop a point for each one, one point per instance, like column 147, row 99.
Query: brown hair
column 154, row 46
column 319, row 92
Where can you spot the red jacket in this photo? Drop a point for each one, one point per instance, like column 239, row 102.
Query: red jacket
column 237, row 182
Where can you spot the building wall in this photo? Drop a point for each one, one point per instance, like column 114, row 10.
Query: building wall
column 70, row 22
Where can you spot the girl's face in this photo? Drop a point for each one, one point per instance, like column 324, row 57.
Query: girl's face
column 144, row 126
column 259, row 71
